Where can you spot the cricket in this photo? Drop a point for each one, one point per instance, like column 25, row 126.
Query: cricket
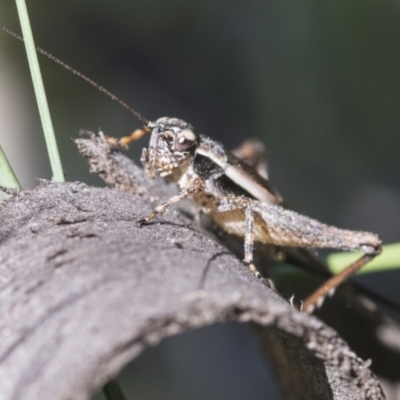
column 233, row 190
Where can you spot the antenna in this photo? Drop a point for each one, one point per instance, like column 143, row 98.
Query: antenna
column 99, row 87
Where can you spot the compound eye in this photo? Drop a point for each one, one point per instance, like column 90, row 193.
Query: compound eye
column 184, row 140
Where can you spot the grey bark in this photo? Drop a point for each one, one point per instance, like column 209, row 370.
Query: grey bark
column 84, row 290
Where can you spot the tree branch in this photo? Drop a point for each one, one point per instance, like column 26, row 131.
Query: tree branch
column 84, row 290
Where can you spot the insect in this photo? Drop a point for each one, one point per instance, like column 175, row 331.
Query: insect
column 233, row 194
column 238, row 199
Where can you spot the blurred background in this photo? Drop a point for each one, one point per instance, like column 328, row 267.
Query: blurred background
column 318, row 82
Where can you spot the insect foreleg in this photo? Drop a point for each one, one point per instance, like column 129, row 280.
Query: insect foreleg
column 125, row 141
column 196, row 187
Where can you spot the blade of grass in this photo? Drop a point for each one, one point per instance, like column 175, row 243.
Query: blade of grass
column 111, row 391
column 99, row 396
column 388, row 260
column 55, row 161
column 7, row 176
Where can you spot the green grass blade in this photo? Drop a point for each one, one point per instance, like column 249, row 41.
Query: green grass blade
column 111, row 391
column 388, row 260
column 99, row 396
column 337, row 262
column 7, row 176
column 55, row 161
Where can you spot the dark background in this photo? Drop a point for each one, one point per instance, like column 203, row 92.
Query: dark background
column 318, row 82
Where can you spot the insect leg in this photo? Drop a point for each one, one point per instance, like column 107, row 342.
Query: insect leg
column 316, row 299
column 125, row 141
column 287, row 228
column 252, row 152
column 197, row 186
column 234, row 203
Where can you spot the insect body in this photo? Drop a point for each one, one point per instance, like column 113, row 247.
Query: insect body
column 239, row 200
